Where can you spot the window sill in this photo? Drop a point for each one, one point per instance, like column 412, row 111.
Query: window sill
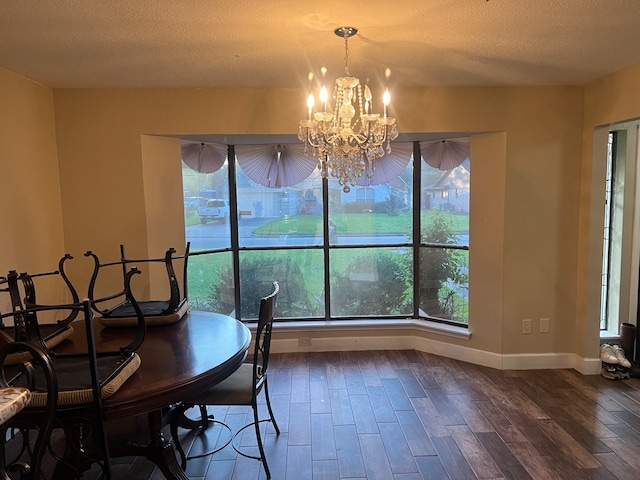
column 373, row 326
column 606, row 335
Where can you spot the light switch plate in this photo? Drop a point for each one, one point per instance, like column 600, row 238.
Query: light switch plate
column 544, row 325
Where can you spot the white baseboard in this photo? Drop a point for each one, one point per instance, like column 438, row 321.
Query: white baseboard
column 589, row 366
column 524, row 361
column 529, row 361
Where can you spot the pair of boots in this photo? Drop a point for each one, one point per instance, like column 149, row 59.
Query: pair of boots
column 629, row 341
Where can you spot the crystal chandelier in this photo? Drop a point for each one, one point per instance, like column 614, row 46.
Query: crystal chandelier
column 351, row 139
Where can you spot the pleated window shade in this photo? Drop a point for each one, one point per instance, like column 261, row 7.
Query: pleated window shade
column 445, row 154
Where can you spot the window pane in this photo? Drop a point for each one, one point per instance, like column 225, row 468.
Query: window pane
column 444, row 283
column 378, row 214
column 210, row 283
column 271, row 217
column 206, row 208
column 608, row 237
column 371, row 281
column 444, row 222
column 445, row 194
column 300, row 274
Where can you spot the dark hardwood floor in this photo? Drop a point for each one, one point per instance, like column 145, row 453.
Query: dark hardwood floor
column 407, row 415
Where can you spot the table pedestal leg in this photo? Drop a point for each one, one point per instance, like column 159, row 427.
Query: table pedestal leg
column 159, row 450
column 178, row 418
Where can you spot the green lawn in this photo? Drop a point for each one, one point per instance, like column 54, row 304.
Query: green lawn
column 192, row 219
column 347, row 224
column 354, row 224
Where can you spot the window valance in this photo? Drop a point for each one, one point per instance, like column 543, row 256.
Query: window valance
column 445, row 154
column 275, row 166
column 204, row 157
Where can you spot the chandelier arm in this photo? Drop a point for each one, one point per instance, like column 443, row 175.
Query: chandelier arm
column 309, row 139
column 361, row 139
column 370, row 137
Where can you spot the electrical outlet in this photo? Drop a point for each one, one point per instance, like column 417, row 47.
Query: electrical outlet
column 304, row 342
column 544, row 325
column 526, row 326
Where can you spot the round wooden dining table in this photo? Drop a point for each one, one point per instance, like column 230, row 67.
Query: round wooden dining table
column 178, row 361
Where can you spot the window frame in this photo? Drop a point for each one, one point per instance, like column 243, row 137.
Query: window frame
column 414, row 245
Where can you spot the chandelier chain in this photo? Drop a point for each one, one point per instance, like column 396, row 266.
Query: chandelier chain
column 346, row 56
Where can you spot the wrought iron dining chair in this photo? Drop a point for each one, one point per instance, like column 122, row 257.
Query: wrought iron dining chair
column 84, row 381
column 156, row 311
column 22, row 286
column 241, row 388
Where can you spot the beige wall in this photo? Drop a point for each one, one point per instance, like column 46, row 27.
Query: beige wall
column 111, row 180
column 530, row 187
column 31, row 238
column 610, row 100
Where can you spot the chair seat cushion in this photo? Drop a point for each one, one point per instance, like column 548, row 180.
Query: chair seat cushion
column 12, row 400
column 74, row 380
column 236, row 389
column 152, row 315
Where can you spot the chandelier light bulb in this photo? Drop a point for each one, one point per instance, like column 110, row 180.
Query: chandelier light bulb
column 324, row 96
column 349, row 140
column 368, row 106
column 310, row 101
column 386, row 100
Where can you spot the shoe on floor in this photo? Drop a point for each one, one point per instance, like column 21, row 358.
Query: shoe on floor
column 623, row 373
column 607, row 354
column 619, row 354
column 610, row 372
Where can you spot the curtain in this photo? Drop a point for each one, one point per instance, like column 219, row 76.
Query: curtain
column 275, row 166
column 445, row 154
column 389, row 166
column 204, row 157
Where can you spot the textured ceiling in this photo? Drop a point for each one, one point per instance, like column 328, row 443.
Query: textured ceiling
column 275, row 43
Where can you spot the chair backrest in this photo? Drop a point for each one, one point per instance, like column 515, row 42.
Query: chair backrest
column 30, row 289
column 263, row 337
column 22, row 291
column 150, row 308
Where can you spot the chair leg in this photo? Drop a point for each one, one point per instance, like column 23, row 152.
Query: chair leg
column 106, row 467
column 176, row 414
column 268, row 401
column 205, row 418
column 178, row 418
column 256, row 422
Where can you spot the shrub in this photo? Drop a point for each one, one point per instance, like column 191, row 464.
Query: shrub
column 439, row 266
column 388, row 293
column 256, row 276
